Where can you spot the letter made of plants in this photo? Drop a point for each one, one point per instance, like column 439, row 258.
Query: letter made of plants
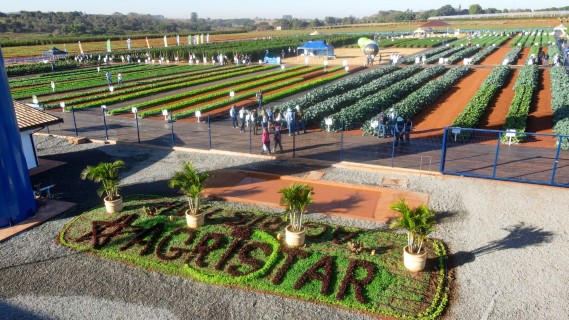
column 240, row 249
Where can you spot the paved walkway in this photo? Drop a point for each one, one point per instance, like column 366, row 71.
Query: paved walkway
column 338, row 199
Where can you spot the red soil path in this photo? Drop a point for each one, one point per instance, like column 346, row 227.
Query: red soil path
column 496, row 57
column 443, row 112
column 495, row 116
column 524, row 54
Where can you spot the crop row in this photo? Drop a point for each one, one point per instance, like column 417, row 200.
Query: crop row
column 462, row 54
column 475, row 108
column 423, row 97
column 519, row 109
column 143, row 84
column 560, row 103
column 269, row 97
column 553, row 50
column 357, row 113
column 91, row 83
column 322, row 93
column 483, row 54
column 265, row 79
column 444, row 54
column 424, row 43
column 153, row 89
column 46, row 78
column 316, row 112
column 483, row 41
column 428, row 54
column 513, row 55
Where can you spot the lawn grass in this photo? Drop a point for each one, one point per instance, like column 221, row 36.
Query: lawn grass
column 240, row 249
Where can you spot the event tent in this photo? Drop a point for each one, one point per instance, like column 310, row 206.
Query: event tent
column 55, row 53
column 317, row 48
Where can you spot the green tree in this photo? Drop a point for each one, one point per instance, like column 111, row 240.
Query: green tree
column 194, row 17
column 475, row 9
column 447, row 10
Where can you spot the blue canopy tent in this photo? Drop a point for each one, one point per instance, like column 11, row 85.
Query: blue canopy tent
column 55, row 53
column 317, row 48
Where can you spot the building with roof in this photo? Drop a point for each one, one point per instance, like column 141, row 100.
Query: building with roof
column 29, row 121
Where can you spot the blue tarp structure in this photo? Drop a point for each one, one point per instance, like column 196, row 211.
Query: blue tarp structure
column 317, row 48
column 55, row 53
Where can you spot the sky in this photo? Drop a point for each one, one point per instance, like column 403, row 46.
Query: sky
column 227, row 9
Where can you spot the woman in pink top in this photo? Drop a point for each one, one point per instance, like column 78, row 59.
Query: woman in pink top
column 266, row 140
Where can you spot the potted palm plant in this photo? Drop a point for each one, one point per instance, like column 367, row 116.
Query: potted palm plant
column 419, row 222
column 107, row 173
column 295, row 197
column 191, row 182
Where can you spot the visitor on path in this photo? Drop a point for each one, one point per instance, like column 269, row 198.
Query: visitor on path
column 255, row 121
column 277, row 138
column 233, row 115
column 299, row 120
column 119, row 79
column 289, row 118
column 259, row 97
column 407, row 130
column 53, row 86
column 243, row 118
column 109, row 78
column 279, row 119
column 546, row 60
column 398, row 130
column 381, row 125
column 264, row 119
column 266, row 140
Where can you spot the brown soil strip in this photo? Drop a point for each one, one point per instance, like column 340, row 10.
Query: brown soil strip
column 496, row 57
column 495, row 116
column 431, row 121
column 524, row 54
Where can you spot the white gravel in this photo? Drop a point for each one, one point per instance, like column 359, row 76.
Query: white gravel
column 508, row 243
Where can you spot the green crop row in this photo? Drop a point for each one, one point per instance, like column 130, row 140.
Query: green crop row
column 560, row 103
column 475, row 108
column 155, row 89
column 317, row 112
column 444, row 54
column 422, row 97
column 519, row 109
column 513, row 55
column 482, row 41
column 269, row 97
column 265, row 79
column 371, row 105
column 323, row 93
column 462, row 54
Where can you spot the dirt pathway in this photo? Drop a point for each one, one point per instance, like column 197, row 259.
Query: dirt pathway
column 496, row 57
column 443, row 112
column 524, row 54
column 495, row 116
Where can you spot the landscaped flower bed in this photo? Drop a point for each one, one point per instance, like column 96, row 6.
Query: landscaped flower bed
column 240, row 249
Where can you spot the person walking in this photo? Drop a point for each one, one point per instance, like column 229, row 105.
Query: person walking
column 277, row 139
column 242, row 117
column 398, row 130
column 289, row 118
column 299, row 120
column 119, row 79
column 109, row 78
column 254, row 121
column 381, row 125
column 266, row 140
column 259, row 97
column 407, row 130
column 233, row 115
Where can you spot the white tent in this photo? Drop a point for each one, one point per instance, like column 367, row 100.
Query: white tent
column 560, row 27
column 315, row 33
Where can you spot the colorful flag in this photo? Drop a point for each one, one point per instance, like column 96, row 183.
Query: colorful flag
column 147, row 43
column 128, row 43
column 190, row 39
column 207, row 38
column 178, row 40
column 201, row 40
column 81, row 48
column 165, row 42
column 109, row 45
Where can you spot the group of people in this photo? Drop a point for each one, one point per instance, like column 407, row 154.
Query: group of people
column 268, row 122
column 395, row 126
column 110, row 78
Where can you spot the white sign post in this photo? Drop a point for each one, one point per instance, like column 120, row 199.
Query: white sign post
column 328, row 122
column 198, row 115
column 62, row 105
column 165, row 114
column 455, row 131
column 510, row 134
column 232, row 94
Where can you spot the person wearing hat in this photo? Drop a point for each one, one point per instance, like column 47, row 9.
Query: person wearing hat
column 399, row 128
column 299, row 120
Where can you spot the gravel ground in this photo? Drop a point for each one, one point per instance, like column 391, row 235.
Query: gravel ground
column 508, row 244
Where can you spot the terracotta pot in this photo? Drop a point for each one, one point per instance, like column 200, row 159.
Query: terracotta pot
column 294, row 238
column 113, row 206
column 414, row 262
column 194, row 221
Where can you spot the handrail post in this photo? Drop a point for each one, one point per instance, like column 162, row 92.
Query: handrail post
column 443, row 151
column 497, row 154
column 556, row 160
